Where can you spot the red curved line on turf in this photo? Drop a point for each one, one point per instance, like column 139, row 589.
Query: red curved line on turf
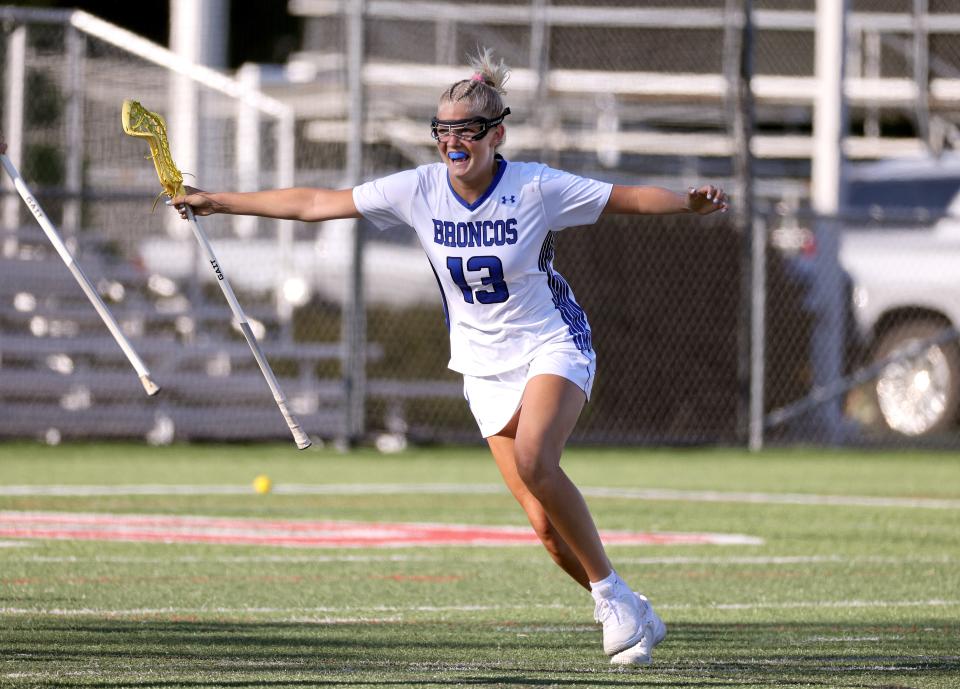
column 285, row 533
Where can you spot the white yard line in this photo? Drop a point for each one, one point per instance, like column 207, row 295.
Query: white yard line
column 772, row 498
column 787, row 560
column 680, row 560
column 321, row 610
column 396, row 613
column 481, row 489
column 841, row 604
column 120, row 490
column 226, row 560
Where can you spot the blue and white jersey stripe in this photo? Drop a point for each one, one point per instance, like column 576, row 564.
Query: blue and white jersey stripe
column 570, row 311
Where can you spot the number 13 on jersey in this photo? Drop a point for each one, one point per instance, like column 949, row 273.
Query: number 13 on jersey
column 493, row 278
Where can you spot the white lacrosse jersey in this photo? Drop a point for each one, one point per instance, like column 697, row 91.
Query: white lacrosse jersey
column 493, row 259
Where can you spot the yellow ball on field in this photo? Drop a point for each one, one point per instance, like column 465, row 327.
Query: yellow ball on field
column 262, row 484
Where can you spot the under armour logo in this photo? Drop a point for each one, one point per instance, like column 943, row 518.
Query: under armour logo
column 508, row 199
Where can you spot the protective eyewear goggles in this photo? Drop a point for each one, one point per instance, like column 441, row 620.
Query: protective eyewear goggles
column 471, row 129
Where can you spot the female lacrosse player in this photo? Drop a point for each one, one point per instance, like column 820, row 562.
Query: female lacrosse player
column 517, row 334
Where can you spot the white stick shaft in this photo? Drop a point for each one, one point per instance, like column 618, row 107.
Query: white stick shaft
column 88, row 289
column 298, row 435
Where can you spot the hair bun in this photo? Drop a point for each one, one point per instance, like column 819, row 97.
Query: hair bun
column 481, row 102
column 492, row 73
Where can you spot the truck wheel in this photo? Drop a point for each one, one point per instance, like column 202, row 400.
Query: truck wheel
column 919, row 395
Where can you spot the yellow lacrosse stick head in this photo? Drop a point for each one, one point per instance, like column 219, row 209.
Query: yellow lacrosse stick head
column 138, row 121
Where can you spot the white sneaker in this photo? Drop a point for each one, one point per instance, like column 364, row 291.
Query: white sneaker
column 621, row 617
column 654, row 631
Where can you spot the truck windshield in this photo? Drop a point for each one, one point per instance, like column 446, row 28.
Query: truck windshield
column 902, row 197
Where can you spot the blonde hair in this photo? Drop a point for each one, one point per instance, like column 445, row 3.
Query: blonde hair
column 484, row 90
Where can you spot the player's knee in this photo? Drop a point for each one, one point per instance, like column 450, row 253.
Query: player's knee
column 536, row 469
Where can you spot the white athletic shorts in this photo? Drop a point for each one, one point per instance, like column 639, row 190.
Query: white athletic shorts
column 495, row 399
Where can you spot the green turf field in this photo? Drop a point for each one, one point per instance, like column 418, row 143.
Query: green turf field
column 856, row 582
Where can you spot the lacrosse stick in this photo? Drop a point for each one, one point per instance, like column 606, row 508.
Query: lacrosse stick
column 149, row 386
column 140, row 122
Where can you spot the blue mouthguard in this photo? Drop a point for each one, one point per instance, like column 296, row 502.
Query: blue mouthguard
column 456, row 155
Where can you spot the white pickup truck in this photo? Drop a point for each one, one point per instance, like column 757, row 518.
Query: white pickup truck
column 900, row 250
column 906, row 290
column 905, row 280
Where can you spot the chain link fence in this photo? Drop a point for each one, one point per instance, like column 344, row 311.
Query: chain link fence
column 66, row 76
column 628, row 94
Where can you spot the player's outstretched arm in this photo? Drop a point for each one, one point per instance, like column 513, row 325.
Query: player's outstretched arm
column 657, row 201
column 299, row 203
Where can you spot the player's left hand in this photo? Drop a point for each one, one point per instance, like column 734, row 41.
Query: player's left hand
column 3, row 144
column 706, row 199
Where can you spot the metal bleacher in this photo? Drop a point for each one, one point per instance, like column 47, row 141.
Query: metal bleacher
column 649, row 96
column 62, row 375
